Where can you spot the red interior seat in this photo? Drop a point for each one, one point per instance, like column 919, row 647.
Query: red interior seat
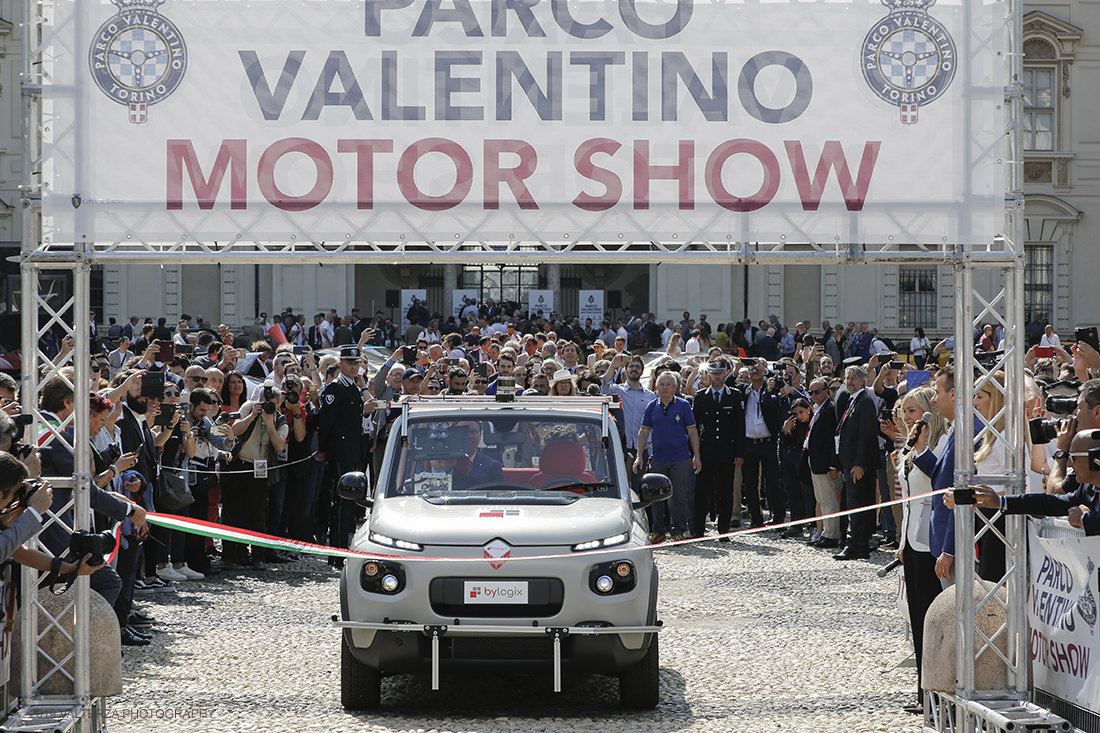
column 562, row 459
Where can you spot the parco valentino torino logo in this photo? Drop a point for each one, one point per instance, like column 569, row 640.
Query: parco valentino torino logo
column 138, row 57
column 908, row 58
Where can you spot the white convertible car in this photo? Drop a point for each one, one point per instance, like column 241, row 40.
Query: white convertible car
column 469, row 488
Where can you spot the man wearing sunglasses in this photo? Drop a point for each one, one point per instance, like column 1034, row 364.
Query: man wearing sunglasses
column 194, row 377
column 1081, row 502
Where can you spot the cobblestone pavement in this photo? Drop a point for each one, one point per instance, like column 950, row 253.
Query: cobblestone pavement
column 762, row 634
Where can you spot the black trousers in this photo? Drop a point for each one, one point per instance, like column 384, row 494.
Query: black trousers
column 859, row 494
column 194, row 546
column 762, row 458
column 921, row 588
column 244, row 505
column 714, row 488
column 126, row 567
column 991, row 551
column 341, row 512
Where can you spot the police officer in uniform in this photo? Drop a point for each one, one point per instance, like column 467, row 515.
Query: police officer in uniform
column 340, row 445
column 720, row 415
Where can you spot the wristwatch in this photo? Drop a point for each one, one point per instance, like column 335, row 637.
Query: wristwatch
column 1060, row 454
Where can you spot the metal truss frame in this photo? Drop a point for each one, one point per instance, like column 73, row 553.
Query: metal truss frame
column 967, row 710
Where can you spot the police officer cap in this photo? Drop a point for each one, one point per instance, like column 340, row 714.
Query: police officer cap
column 853, row 361
column 716, row 367
column 412, row 374
column 350, row 353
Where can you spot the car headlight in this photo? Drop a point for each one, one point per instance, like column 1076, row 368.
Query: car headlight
column 381, row 539
column 385, row 577
column 611, row 578
column 615, row 539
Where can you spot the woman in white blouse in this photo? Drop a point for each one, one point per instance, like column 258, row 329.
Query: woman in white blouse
column 921, row 584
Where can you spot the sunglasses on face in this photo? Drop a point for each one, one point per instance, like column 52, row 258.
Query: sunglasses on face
column 96, row 369
column 481, row 381
column 197, row 379
column 817, row 391
column 171, row 394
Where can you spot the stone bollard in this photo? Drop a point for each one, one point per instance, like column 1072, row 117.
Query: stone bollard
column 104, row 642
column 939, row 643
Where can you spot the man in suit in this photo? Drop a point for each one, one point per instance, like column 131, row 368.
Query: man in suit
column 858, row 455
column 820, row 451
column 941, row 531
column 340, row 445
column 762, row 425
column 720, row 415
column 313, row 335
column 477, row 464
column 135, row 437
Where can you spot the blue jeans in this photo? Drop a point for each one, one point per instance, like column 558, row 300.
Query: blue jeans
column 678, row 506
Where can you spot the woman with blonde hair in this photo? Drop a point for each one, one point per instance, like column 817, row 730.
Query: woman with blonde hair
column 989, row 460
column 919, row 566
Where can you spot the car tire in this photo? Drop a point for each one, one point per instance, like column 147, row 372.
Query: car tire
column 639, row 685
column 360, row 685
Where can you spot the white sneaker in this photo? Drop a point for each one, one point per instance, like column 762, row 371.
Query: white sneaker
column 189, row 574
column 170, row 573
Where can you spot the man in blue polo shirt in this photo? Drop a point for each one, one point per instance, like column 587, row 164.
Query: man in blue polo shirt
column 672, row 424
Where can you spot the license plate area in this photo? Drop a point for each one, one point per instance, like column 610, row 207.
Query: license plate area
column 481, row 592
column 450, row 597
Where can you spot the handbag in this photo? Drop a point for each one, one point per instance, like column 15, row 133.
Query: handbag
column 176, row 494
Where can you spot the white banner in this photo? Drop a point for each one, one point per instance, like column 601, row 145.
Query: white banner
column 1062, row 598
column 458, row 302
column 590, row 306
column 408, row 298
column 593, row 120
column 540, row 301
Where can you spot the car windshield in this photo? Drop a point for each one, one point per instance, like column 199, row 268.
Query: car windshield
column 510, row 454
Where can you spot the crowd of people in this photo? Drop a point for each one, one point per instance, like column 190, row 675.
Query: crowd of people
column 752, row 423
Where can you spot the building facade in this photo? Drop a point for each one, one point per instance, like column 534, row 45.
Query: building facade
column 1062, row 172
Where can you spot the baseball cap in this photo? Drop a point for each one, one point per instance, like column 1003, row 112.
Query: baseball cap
column 412, row 373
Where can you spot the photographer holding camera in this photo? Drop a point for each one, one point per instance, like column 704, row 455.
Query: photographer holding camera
column 261, row 435
column 209, row 438
column 109, row 463
column 22, row 503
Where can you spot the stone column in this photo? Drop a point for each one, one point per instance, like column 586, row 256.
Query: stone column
column 553, row 283
column 450, row 285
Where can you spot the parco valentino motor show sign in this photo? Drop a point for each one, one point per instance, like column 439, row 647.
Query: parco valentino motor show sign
column 518, row 120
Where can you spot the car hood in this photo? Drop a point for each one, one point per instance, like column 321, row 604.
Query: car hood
column 416, row 520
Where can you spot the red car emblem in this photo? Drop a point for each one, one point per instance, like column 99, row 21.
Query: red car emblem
column 495, row 552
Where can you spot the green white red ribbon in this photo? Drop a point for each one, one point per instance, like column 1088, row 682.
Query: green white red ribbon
column 248, row 537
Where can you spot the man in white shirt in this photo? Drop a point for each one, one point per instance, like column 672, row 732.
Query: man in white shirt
column 328, row 331
column 1050, row 338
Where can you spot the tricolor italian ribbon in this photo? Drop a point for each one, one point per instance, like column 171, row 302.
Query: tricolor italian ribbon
column 248, row 537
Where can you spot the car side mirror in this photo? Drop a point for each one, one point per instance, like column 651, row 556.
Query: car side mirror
column 355, row 486
column 654, row 487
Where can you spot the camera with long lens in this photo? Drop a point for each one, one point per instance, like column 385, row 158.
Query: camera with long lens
column 83, row 542
column 1043, row 430
column 1061, row 404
